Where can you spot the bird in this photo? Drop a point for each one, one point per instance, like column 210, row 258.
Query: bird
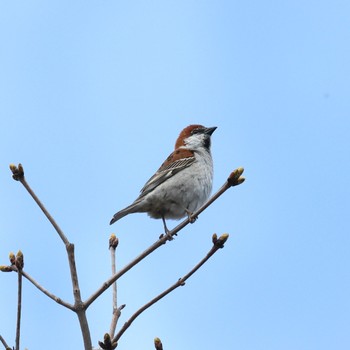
column 182, row 184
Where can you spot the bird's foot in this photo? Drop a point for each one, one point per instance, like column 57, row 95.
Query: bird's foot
column 168, row 234
column 191, row 218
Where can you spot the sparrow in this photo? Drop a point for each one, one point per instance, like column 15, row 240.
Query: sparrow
column 183, row 182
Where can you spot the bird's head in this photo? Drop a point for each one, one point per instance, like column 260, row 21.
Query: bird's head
column 195, row 137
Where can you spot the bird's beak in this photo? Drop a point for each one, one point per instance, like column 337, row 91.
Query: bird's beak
column 209, row 131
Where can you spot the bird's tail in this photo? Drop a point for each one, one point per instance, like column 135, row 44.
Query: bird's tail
column 128, row 210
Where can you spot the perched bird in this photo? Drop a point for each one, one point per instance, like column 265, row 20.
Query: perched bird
column 183, row 182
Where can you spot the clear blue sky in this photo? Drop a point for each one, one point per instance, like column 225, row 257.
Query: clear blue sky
column 93, row 95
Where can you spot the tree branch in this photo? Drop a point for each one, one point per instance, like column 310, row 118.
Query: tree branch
column 19, row 308
column 19, row 264
column 18, row 175
column 113, row 244
column 217, row 244
column 40, row 287
column 47, row 293
column 4, row 343
column 79, row 307
column 233, row 180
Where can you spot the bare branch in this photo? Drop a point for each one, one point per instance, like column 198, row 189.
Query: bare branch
column 19, row 308
column 47, row 293
column 113, row 244
column 79, row 307
column 18, row 175
column 233, row 180
column 217, row 244
column 39, row 286
column 4, row 343
column 125, row 269
column 19, row 264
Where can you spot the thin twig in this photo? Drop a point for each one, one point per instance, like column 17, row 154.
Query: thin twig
column 47, row 293
column 4, row 343
column 79, row 307
column 125, row 269
column 19, row 263
column 19, row 308
column 42, row 289
column 47, row 214
column 218, row 243
column 233, row 180
column 113, row 244
column 114, row 303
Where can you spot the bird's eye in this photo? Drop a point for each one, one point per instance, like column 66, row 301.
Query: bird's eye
column 195, row 131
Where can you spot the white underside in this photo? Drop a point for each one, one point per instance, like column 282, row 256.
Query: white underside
column 186, row 191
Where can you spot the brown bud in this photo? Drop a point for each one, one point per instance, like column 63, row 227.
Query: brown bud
column 235, row 177
column 13, row 167
column 12, row 258
column 17, row 172
column 19, row 260
column 240, row 180
column 107, row 340
column 102, row 345
column 107, row 343
column 222, row 240
column 113, row 241
column 224, row 237
column 5, row 268
column 158, row 344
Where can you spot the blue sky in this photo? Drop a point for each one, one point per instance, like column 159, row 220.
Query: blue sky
column 93, row 96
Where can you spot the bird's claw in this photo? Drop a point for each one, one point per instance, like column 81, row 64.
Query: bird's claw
column 168, row 234
column 170, row 237
column 191, row 218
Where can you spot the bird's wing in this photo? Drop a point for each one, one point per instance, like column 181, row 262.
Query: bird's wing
column 177, row 161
